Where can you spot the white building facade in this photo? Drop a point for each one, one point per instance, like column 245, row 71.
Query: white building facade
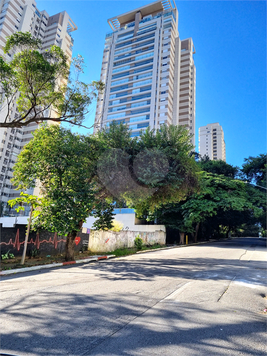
column 211, row 142
column 24, row 16
column 148, row 71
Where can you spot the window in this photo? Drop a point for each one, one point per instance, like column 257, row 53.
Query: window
column 142, row 82
column 141, row 103
column 139, row 111
column 143, row 62
column 117, row 108
column 121, row 87
column 120, row 82
column 139, row 118
column 144, row 124
column 134, row 134
column 116, row 115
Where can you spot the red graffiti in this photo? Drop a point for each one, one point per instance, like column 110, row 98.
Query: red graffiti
column 106, row 241
column 77, row 240
column 16, row 244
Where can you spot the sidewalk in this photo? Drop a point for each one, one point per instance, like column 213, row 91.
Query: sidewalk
column 52, row 265
column 95, row 259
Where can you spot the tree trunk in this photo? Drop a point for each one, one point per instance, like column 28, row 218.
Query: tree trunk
column 181, row 238
column 69, row 247
column 26, row 238
column 196, row 233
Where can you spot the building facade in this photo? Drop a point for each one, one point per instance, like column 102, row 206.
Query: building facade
column 24, row 16
column 211, row 142
column 148, row 71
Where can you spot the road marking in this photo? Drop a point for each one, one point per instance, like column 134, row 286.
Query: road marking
column 180, row 288
column 247, row 284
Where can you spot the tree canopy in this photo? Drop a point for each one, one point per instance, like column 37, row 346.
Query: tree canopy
column 222, row 204
column 218, row 167
column 61, row 163
column 44, row 86
column 147, row 172
column 254, row 169
column 82, row 175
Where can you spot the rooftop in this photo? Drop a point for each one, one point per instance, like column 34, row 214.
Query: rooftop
column 157, row 6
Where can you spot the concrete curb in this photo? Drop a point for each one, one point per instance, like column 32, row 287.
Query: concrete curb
column 180, row 246
column 52, row 265
column 96, row 258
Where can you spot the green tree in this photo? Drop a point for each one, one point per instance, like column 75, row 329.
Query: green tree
column 41, row 85
column 34, row 202
column 79, row 175
column 103, row 212
column 221, row 205
column 63, row 166
column 218, row 167
column 254, row 169
column 153, row 170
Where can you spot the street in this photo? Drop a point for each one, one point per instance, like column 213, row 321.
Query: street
column 207, row 299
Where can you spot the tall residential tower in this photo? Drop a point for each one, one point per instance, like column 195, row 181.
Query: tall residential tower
column 23, row 15
column 211, row 141
column 148, row 71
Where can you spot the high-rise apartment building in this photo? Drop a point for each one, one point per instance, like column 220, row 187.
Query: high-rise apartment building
column 211, row 141
column 148, row 71
column 23, row 15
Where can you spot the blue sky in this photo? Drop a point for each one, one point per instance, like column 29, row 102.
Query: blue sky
column 230, row 59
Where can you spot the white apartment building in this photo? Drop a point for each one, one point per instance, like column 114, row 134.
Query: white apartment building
column 23, row 15
column 211, row 141
column 148, row 71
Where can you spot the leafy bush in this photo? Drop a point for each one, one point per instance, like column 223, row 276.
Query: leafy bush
column 138, row 242
column 7, row 255
column 117, row 226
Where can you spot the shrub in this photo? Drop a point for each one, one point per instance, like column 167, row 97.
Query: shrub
column 117, row 226
column 138, row 242
column 7, row 255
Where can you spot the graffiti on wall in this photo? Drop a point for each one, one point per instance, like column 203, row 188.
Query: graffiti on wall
column 17, row 243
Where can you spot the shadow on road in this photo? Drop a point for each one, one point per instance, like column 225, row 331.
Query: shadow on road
column 53, row 323
column 78, row 325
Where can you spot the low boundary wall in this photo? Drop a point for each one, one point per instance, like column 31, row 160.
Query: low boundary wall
column 107, row 241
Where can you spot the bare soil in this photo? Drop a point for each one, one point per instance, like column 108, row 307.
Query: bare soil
column 40, row 260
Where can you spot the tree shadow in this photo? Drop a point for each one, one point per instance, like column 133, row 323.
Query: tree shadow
column 53, row 323
column 57, row 321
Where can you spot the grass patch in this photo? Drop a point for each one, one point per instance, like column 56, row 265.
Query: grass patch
column 40, row 260
column 153, row 247
column 123, row 252
column 130, row 251
column 43, row 260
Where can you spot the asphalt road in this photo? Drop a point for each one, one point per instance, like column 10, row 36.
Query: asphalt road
column 199, row 300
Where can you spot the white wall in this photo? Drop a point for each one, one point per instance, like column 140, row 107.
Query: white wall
column 107, row 241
